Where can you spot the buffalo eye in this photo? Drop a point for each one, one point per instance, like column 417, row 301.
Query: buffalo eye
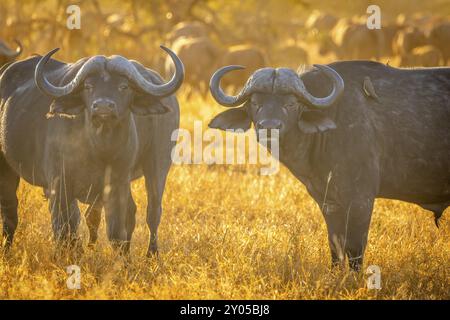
column 254, row 105
column 123, row 87
column 290, row 105
column 88, row 87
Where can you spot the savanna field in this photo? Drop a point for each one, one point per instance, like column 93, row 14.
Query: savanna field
column 227, row 232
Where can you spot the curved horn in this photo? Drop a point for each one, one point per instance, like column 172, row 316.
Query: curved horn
column 338, row 88
column 6, row 51
column 217, row 92
column 18, row 50
column 124, row 66
column 120, row 64
column 94, row 63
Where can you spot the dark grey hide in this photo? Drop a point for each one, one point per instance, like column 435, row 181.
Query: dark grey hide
column 356, row 148
column 109, row 122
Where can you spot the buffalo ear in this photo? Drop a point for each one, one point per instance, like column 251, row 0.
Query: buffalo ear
column 147, row 105
column 312, row 121
column 66, row 107
column 231, row 119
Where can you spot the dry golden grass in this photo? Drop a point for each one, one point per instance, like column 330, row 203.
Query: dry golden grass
column 229, row 233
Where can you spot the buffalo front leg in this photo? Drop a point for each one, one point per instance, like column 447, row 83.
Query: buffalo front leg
column 65, row 212
column 154, row 211
column 93, row 218
column 130, row 222
column 9, row 181
column 348, row 229
column 155, row 181
column 156, row 165
column 116, row 202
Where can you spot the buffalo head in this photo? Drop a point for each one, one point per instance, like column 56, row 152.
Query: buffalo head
column 107, row 89
column 275, row 99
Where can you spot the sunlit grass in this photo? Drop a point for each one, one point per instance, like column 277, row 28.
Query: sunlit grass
column 228, row 232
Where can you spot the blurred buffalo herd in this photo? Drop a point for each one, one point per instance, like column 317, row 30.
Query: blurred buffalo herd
column 204, row 44
column 418, row 41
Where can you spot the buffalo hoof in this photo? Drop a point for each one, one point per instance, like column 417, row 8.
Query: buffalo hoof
column 152, row 251
column 121, row 247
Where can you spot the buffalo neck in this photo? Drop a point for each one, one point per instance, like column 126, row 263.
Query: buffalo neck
column 111, row 143
column 296, row 152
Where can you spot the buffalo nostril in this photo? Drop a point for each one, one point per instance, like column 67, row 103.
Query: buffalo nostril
column 103, row 107
column 269, row 124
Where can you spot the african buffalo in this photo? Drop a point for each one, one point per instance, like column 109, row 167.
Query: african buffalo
column 320, row 22
column 290, row 55
column 253, row 58
column 386, row 134
column 408, row 39
column 199, row 57
column 7, row 54
column 82, row 132
column 194, row 29
column 425, row 56
column 353, row 40
column 440, row 38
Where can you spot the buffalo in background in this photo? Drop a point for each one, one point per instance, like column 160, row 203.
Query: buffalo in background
column 440, row 38
column 7, row 54
column 201, row 56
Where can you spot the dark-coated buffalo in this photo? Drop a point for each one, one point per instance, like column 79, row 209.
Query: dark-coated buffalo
column 425, row 56
column 440, row 38
column 385, row 134
column 249, row 56
column 199, row 56
column 408, row 39
column 353, row 40
column 82, row 132
column 290, row 55
column 187, row 29
column 7, row 54
column 320, row 22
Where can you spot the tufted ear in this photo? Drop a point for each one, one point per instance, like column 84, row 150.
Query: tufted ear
column 72, row 105
column 147, row 105
column 67, row 107
column 313, row 121
column 231, row 119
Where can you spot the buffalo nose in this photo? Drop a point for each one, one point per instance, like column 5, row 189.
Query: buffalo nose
column 103, row 106
column 269, row 124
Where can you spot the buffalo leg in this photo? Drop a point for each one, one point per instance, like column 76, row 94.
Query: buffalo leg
column 130, row 222
column 348, row 229
column 154, row 211
column 64, row 210
column 155, row 180
column 156, row 164
column 9, row 181
column 93, row 218
column 116, row 202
